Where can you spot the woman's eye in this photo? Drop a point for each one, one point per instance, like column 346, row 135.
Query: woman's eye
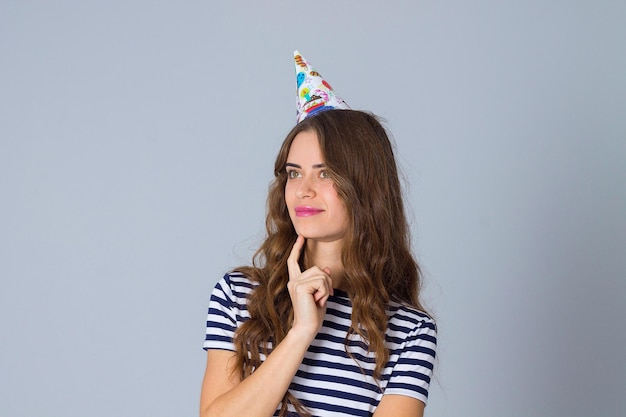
column 324, row 174
column 291, row 174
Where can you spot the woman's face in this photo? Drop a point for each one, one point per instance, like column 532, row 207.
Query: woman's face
column 315, row 209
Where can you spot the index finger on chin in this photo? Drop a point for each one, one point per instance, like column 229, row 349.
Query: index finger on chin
column 292, row 262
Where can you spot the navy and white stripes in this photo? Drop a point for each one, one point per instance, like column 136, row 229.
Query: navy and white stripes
column 329, row 382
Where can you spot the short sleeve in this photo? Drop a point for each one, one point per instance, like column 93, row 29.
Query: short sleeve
column 414, row 368
column 222, row 317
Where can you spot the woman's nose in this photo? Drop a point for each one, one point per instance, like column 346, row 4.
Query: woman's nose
column 305, row 189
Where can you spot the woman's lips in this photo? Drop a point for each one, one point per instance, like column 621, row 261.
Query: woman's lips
column 305, row 211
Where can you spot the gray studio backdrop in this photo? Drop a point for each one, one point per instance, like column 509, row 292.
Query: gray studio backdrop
column 136, row 145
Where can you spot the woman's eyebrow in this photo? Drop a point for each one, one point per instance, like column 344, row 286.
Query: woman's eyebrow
column 291, row 164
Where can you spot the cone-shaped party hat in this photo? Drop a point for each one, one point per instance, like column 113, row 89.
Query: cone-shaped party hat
column 314, row 93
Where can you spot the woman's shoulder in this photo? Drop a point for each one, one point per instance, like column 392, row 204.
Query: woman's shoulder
column 236, row 283
column 409, row 317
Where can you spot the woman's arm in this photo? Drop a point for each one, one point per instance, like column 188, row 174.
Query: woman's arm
column 224, row 394
column 399, row 406
column 218, row 377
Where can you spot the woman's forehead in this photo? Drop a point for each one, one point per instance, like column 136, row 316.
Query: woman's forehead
column 305, row 147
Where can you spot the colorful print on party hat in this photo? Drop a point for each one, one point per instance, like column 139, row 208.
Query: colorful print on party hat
column 314, row 93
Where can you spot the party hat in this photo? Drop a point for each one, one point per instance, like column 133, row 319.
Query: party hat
column 314, row 93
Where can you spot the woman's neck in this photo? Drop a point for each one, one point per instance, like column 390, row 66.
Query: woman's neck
column 326, row 255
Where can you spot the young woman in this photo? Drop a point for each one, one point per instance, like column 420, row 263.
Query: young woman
column 328, row 321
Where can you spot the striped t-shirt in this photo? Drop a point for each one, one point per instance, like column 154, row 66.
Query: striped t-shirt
column 329, row 382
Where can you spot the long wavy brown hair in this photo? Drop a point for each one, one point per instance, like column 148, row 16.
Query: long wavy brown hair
column 378, row 263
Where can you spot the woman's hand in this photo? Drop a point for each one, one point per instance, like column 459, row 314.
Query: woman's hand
column 309, row 291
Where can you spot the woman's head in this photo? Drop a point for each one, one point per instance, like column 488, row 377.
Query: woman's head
column 359, row 159
column 315, row 208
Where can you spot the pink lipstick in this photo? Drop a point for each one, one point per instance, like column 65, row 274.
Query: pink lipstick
column 306, row 211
